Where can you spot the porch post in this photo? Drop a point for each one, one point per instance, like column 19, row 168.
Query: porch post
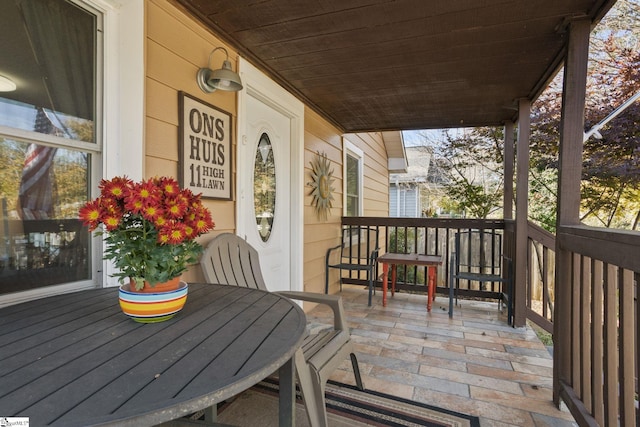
column 509, row 152
column 522, row 209
column 568, row 205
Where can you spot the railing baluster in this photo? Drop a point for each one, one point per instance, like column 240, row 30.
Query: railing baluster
column 627, row 349
column 585, row 332
column 597, row 298
column 545, row 282
column 611, row 347
column 576, row 360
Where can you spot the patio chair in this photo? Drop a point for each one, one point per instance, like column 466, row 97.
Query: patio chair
column 478, row 257
column 359, row 249
column 230, row 260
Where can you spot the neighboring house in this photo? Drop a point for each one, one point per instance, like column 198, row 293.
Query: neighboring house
column 404, row 200
column 417, row 192
column 106, row 101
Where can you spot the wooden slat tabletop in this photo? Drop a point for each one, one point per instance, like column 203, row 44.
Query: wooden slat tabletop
column 77, row 360
column 410, row 259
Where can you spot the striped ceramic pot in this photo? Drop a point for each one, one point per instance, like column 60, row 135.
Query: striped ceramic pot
column 151, row 307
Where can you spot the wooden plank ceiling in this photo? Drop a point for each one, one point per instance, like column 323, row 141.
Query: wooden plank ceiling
column 376, row 65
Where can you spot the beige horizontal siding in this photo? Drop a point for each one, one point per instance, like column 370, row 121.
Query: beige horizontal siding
column 320, row 136
column 176, row 47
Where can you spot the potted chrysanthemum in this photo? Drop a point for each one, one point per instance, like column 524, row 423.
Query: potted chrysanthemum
column 150, row 228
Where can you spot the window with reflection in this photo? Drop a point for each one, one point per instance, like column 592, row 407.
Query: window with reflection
column 264, row 187
column 47, row 141
column 353, row 186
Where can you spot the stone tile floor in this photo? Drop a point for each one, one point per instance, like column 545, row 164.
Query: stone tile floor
column 474, row 363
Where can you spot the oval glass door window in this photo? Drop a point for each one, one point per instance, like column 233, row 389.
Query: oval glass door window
column 264, row 187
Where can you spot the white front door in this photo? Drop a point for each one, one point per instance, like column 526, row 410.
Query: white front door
column 269, row 197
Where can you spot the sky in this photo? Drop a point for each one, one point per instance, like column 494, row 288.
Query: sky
column 413, row 138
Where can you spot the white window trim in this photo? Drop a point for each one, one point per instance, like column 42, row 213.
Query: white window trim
column 348, row 148
column 124, row 100
column 124, row 95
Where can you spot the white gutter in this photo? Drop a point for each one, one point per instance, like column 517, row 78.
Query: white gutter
column 594, row 131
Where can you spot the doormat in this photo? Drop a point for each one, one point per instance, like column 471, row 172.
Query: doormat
column 346, row 406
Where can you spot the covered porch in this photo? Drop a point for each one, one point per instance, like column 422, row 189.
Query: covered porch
column 387, row 66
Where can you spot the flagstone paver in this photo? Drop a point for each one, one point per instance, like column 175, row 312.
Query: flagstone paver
column 474, row 363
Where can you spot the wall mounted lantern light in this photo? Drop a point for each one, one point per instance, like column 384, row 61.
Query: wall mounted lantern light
column 223, row 79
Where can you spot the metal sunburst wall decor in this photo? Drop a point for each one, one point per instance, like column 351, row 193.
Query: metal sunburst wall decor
column 322, row 192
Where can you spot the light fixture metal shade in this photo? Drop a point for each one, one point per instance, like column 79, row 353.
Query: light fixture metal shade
column 202, row 77
column 6, row 84
column 225, row 78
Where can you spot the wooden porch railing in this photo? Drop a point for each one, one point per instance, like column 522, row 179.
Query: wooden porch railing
column 593, row 300
column 431, row 236
column 597, row 334
column 540, row 286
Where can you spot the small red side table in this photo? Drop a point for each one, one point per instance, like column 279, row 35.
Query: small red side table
column 431, row 261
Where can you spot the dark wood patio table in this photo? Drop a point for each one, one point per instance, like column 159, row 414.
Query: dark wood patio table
column 77, row 360
column 431, row 261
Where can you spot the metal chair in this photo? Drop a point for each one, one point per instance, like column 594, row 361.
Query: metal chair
column 231, row 261
column 478, row 257
column 359, row 249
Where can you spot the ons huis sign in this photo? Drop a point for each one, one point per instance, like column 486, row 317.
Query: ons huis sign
column 205, row 148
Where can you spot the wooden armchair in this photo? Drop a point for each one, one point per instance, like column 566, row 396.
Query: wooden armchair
column 230, row 260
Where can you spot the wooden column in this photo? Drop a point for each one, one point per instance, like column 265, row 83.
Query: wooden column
column 509, row 153
column 568, row 208
column 522, row 209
